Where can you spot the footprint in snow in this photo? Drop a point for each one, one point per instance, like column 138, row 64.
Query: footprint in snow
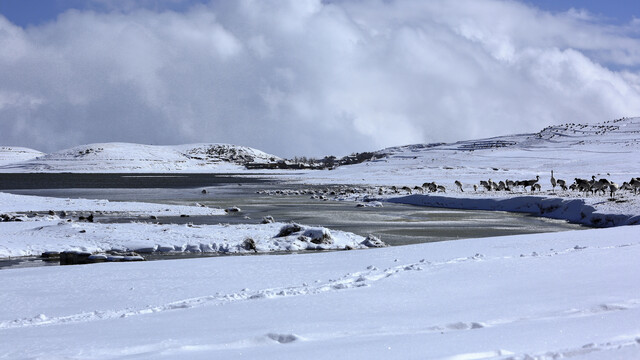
column 283, row 338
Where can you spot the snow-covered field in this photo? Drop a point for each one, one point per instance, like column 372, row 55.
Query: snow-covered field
column 566, row 295
column 573, row 294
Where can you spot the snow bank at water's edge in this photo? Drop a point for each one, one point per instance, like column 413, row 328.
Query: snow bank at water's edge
column 573, row 210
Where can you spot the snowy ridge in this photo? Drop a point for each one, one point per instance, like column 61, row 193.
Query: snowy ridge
column 12, row 154
column 126, row 157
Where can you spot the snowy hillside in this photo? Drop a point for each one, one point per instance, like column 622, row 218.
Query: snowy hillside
column 125, row 157
column 572, row 150
column 11, row 154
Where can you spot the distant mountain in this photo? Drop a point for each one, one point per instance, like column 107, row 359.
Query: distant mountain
column 126, row 157
column 11, row 154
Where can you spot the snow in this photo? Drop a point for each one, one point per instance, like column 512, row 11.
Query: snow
column 138, row 158
column 571, row 294
column 574, row 210
column 11, row 154
column 35, row 236
column 11, row 203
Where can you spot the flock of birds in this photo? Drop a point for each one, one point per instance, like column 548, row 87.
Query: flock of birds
column 593, row 186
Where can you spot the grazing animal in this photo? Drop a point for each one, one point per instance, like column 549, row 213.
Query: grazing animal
column 530, row 183
column 613, row 187
column 431, row 186
column 581, row 185
column 536, row 187
column 441, row 188
column 562, row 184
column 459, row 185
column 635, row 184
column 486, row 185
column 407, row 189
column 600, row 185
column 510, row 184
column 626, row 186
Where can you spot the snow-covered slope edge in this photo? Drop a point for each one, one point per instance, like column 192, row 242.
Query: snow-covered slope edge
column 12, row 154
column 572, row 210
column 126, row 157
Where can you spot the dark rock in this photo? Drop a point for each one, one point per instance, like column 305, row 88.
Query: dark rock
column 268, row 219
column 289, row 229
column 249, row 244
column 50, row 255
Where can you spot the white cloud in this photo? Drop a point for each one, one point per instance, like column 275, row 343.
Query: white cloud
column 311, row 78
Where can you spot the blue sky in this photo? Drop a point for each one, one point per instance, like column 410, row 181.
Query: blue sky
column 36, row 12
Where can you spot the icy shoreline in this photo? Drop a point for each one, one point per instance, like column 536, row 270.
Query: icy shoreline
column 572, row 210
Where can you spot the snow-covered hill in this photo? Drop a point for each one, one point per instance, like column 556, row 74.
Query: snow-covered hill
column 11, row 154
column 126, row 157
column 572, row 150
column 607, row 149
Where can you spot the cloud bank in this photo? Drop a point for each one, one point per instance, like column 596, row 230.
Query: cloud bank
column 306, row 77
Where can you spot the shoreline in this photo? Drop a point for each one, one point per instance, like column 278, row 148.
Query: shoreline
column 576, row 211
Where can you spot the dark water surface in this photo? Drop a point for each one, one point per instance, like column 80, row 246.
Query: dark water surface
column 396, row 224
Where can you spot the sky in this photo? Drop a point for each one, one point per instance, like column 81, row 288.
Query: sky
column 310, row 77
